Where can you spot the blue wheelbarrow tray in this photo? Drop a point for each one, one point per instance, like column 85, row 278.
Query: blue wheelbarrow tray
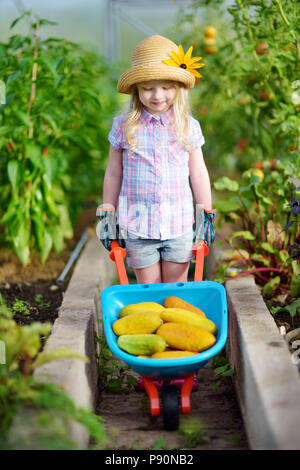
column 209, row 296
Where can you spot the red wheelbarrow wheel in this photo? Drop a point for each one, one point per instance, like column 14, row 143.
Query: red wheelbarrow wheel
column 170, row 407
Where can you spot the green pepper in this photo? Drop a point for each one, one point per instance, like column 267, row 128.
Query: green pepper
column 48, row 194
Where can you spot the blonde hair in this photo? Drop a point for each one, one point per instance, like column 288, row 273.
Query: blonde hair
column 181, row 108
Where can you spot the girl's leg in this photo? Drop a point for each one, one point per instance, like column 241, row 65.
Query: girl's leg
column 174, row 272
column 149, row 275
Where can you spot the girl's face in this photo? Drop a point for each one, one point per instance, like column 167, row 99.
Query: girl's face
column 157, row 96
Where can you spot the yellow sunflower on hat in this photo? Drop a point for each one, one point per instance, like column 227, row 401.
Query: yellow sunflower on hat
column 185, row 61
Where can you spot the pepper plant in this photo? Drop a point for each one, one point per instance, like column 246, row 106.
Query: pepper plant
column 53, row 137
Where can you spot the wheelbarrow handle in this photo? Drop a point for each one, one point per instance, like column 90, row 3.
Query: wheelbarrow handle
column 200, row 250
column 117, row 254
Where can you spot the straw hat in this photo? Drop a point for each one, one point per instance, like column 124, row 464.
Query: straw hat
column 147, row 64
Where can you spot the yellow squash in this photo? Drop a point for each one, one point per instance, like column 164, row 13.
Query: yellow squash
column 146, row 322
column 186, row 337
column 179, row 315
column 176, row 302
column 172, row 354
column 140, row 308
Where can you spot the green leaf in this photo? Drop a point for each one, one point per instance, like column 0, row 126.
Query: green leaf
column 243, row 234
column 34, row 154
column 48, row 193
column 226, row 206
column 51, row 65
column 61, row 353
column 292, row 309
column 267, row 247
column 59, row 62
column 22, row 252
column 27, row 13
column 10, row 213
column 13, row 171
column 65, row 221
column 58, row 239
column 21, row 242
column 265, row 199
column 45, row 22
column 13, row 77
column 46, row 246
column 58, row 80
column 259, row 257
column 271, row 286
column 49, row 119
column 30, row 337
column 23, row 118
column 226, row 183
column 283, row 255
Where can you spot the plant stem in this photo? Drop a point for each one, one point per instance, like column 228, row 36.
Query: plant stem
column 247, row 20
column 247, row 261
column 282, row 13
column 288, row 24
column 262, row 231
column 33, row 79
column 252, row 40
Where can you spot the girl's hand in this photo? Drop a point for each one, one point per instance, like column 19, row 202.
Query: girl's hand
column 205, row 229
column 107, row 229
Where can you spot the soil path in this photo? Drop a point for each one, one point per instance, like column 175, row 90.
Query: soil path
column 214, row 422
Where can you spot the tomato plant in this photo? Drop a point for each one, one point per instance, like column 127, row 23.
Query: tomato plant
column 59, row 102
column 250, row 87
column 248, row 106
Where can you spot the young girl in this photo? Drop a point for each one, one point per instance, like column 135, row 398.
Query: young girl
column 155, row 149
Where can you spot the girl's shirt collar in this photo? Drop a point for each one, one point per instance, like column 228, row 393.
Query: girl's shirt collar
column 165, row 118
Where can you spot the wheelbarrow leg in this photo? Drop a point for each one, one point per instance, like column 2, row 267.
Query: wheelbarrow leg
column 185, row 394
column 152, row 393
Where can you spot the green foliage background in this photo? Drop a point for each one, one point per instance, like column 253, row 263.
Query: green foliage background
column 53, row 139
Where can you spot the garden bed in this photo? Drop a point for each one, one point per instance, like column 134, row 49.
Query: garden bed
column 32, row 291
column 284, row 318
column 266, row 379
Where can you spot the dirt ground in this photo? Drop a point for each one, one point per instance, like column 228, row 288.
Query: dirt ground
column 32, row 290
column 214, row 422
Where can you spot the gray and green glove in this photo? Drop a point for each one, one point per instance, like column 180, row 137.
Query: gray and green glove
column 205, row 229
column 107, row 228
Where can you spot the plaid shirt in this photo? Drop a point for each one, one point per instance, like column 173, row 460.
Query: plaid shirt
column 155, row 200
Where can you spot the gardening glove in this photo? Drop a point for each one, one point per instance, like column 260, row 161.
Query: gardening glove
column 107, row 228
column 205, row 229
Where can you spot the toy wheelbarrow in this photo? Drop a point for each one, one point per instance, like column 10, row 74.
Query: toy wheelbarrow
column 209, row 296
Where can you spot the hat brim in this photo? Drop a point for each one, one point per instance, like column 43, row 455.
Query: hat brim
column 140, row 74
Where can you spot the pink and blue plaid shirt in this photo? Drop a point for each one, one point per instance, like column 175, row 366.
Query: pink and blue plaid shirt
column 155, row 200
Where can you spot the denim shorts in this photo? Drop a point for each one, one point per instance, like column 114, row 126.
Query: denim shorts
column 144, row 252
